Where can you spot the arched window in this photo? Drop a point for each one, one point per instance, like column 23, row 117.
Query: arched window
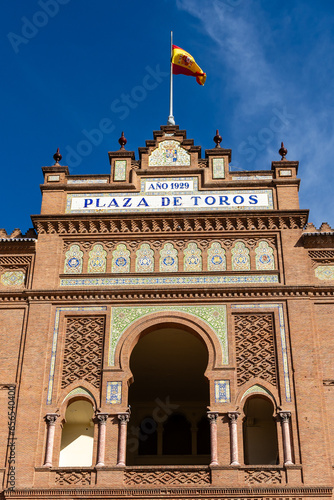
column 176, row 435
column 77, row 439
column 260, row 434
column 203, row 436
column 148, row 437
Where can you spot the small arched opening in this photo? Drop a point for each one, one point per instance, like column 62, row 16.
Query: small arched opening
column 260, row 432
column 168, row 399
column 77, row 439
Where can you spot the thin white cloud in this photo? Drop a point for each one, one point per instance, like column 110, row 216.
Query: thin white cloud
column 249, row 49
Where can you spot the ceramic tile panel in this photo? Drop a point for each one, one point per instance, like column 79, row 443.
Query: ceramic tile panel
column 97, row 262
column 169, row 261
column 192, row 260
column 120, row 259
column 73, row 260
column 264, row 257
column 145, row 259
column 240, row 257
column 114, row 393
column 216, row 257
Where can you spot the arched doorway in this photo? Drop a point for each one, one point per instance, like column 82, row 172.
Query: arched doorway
column 260, row 433
column 168, row 399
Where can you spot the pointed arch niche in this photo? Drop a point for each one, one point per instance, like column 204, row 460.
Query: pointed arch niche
column 77, row 438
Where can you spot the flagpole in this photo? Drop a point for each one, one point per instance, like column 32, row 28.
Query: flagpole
column 171, row 120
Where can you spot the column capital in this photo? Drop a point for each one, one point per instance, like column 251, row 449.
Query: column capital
column 102, row 418
column 233, row 416
column 285, row 415
column 123, row 418
column 51, row 418
column 212, row 416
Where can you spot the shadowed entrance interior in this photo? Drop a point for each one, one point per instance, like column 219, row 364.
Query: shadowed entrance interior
column 169, row 398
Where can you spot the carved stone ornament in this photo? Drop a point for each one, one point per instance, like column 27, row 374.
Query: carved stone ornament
column 233, row 416
column 102, row 418
column 285, row 416
column 124, row 418
column 51, row 418
column 212, row 416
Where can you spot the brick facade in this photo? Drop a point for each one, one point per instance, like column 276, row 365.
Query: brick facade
column 171, row 256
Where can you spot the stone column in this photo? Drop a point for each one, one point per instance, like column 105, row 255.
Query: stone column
column 50, row 419
column 102, row 419
column 285, row 423
column 233, row 416
column 123, row 422
column 212, row 416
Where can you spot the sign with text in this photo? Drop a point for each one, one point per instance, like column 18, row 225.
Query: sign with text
column 177, row 194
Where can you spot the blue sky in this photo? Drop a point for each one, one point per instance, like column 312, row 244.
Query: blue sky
column 71, row 67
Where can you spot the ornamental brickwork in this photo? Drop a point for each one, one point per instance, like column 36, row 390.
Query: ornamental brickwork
column 167, row 330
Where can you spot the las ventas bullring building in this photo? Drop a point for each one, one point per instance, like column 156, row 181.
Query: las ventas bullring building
column 167, row 331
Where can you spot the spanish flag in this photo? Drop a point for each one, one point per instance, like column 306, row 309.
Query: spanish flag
column 184, row 64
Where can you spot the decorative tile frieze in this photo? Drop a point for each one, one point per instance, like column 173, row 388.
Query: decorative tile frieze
column 324, row 273
column 169, row 280
column 123, row 317
column 13, row 278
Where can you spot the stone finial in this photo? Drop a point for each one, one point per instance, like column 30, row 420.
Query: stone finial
column 122, row 141
column 57, row 157
column 283, row 151
column 217, row 139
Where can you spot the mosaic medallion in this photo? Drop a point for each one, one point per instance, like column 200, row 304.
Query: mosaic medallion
column 145, row 259
column 240, row 257
column 168, row 258
column 264, row 256
column 192, row 258
column 325, row 272
column 97, row 260
column 13, row 278
column 73, row 260
column 216, row 257
column 169, row 153
column 120, row 259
